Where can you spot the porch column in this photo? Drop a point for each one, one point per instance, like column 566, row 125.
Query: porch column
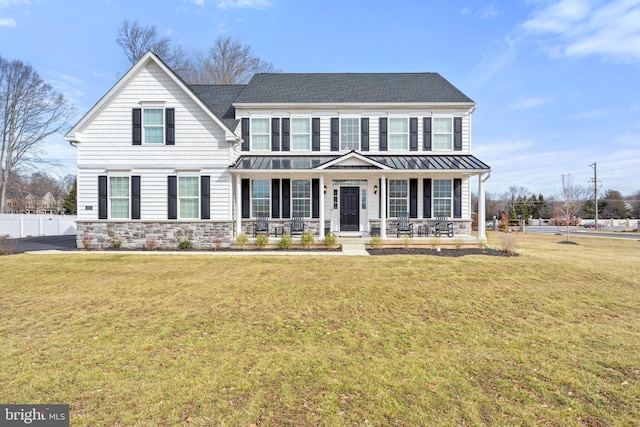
column 321, row 207
column 383, row 207
column 238, row 205
column 482, row 221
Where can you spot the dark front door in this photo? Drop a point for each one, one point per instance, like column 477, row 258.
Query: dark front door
column 349, row 209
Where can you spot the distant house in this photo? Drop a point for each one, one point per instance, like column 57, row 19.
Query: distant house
column 348, row 153
column 20, row 203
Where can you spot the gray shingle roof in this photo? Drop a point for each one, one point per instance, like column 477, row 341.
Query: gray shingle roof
column 218, row 98
column 349, row 88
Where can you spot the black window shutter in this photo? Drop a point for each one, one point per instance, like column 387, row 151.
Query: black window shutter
column 245, row 134
column 426, row 198
column 135, row 197
column 170, row 125
column 205, row 197
column 457, row 133
column 286, row 132
column 383, row 134
column 275, row 134
column 380, row 199
column 335, row 134
column 102, row 197
column 246, row 198
column 364, row 134
column 286, row 203
column 426, row 132
column 275, row 198
column 172, row 197
column 315, row 198
column 413, row 198
column 457, row 198
column 413, row 134
column 136, row 121
column 315, row 134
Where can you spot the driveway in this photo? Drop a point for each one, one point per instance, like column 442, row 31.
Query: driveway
column 44, row 243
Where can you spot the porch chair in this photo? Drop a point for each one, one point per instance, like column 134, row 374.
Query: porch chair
column 261, row 226
column 442, row 226
column 404, row 226
column 297, row 225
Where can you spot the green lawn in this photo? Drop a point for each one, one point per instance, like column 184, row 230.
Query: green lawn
column 551, row 337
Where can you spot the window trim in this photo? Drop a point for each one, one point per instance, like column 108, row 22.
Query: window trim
column 109, row 197
column 306, row 198
column 435, row 199
column 252, row 213
column 434, row 133
column 405, row 198
column 292, row 134
column 358, row 136
column 252, row 133
column 179, row 197
column 390, row 134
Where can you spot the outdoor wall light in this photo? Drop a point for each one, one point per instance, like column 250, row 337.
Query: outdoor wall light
column 325, row 189
column 375, row 189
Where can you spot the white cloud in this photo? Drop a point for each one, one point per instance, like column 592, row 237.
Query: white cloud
column 465, row 11
column 586, row 27
column 488, row 11
column 7, row 22
column 7, row 3
column 524, row 103
column 244, row 4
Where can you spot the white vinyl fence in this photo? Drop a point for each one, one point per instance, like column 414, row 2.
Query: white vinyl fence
column 16, row 226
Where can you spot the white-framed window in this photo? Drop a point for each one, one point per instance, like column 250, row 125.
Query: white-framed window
column 301, row 197
column 188, row 197
column 363, row 198
column 260, row 197
column 442, row 197
column 153, row 125
column 442, row 133
column 398, row 133
column 349, row 133
column 335, row 199
column 119, row 197
column 301, row 133
column 398, row 197
column 260, row 133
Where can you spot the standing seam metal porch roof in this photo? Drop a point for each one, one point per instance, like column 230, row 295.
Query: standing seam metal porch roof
column 396, row 162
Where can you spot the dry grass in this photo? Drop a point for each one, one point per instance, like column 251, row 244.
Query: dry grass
column 547, row 338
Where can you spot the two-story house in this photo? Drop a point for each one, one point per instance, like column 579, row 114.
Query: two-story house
column 160, row 159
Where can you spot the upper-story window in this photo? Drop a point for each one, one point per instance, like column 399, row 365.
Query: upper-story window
column 442, row 133
column 153, row 125
column 260, row 134
column 350, row 133
column 301, row 134
column 398, row 133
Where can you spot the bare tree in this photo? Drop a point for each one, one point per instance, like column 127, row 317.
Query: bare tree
column 228, row 61
column 572, row 199
column 135, row 40
column 30, row 111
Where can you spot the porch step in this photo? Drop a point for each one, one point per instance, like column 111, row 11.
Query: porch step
column 354, row 248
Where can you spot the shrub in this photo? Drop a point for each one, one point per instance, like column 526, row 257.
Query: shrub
column 6, row 245
column 242, row 240
column 184, row 244
column 330, row 239
column 151, row 243
column 285, row 241
column 86, row 242
column 435, row 241
column 116, row 243
column 376, row 241
column 307, row 239
column 509, row 243
column 458, row 242
column 406, row 241
column 262, row 240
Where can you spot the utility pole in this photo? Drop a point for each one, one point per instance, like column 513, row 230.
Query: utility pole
column 595, row 194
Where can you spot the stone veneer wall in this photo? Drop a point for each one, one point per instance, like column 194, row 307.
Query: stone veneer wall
column 162, row 235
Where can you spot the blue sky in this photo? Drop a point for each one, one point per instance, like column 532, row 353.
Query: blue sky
column 556, row 82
